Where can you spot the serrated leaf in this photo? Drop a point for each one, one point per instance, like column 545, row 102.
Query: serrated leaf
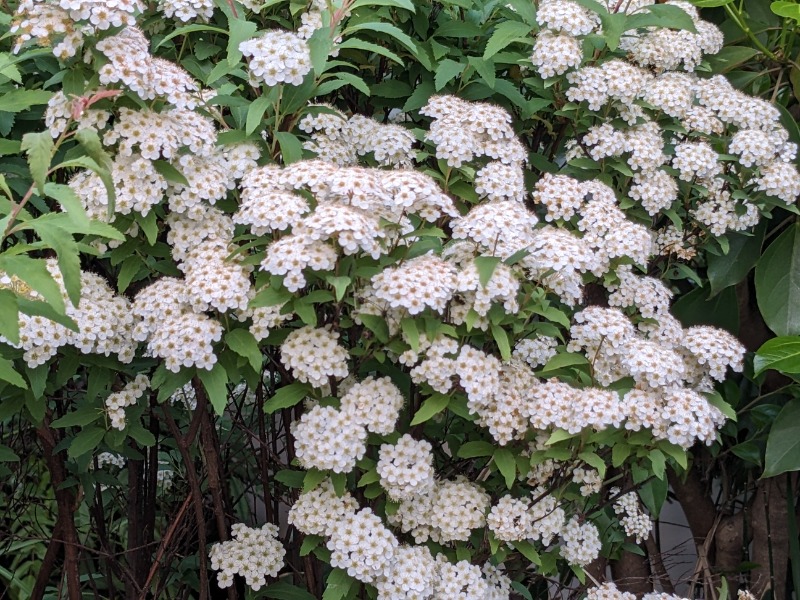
column 430, row 407
column 528, row 551
column 14, row 101
column 287, row 396
column 69, row 201
column 39, row 149
column 86, row 441
column 244, row 344
column 7, row 373
column 34, row 272
column 505, row 34
column 67, row 254
column 359, row 44
column 446, row 71
column 285, row 591
column 503, row 343
column 215, row 382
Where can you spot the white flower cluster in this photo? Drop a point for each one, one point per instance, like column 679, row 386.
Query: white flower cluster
column 314, row 355
column 758, row 152
column 363, row 546
column 104, row 320
column 253, row 553
column 186, row 10
column 406, row 467
column 423, row 282
column 329, row 439
column 63, row 24
column 448, row 511
column 337, row 139
column 110, row 458
column 172, row 330
column 127, row 396
column 277, row 57
column 464, row 130
column 633, row 519
column 608, row 591
column 131, row 64
column 374, row 403
column 589, row 480
column 536, row 351
column 581, row 542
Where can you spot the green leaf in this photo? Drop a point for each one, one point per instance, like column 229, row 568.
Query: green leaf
column 781, row 354
column 39, row 148
column 660, row 15
column 338, row 585
column 170, row 173
column 783, row 443
column 485, row 69
column 86, row 441
column 788, row 10
column 18, row 100
column 592, row 459
column 446, row 71
column 715, row 399
column 90, row 141
column 7, row 454
column 7, row 373
column 505, row 34
column 377, row 325
column 486, row 266
column 312, row 479
column 406, row 4
column 432, row 406
column 244, row 344
column 506, row 464
column 710, row 3
column 286, row 591
column 476, row 449
column 34, row 272
column 342, row 79
column 79, row 418
column 255, row 113
column 240, row 31
column 358, row 44
column 69, row 202
column 309, row 543
column 733, row 267
column 387, row 29
column 287, row 396
column 565, row 359
column 528, row 551
column 291, row 148
column 720, row 311
column 292, row 479
column 142, row 436
column 215, row 381
column 9, row 325
column 66, row 249
column 501, row 339
column 778, row 283
column 320, row 45
column 458, row 29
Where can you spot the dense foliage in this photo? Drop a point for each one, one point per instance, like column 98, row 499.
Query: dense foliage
column 375, row 298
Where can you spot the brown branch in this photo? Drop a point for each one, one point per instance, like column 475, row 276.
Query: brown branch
column 162, row 547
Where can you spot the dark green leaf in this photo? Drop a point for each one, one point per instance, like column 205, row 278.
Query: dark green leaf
column 214, row 381
column 86, row 441
column 7, row 373
column 170, row 173
column 244, row 344
column 287, row 396
column 39, row 148
column 733, row 267
column 476, row 449
column 783, row 444
column 506, row 464
column 430, row 407
column 778, row 283
column 505, row 34
column 781, row 354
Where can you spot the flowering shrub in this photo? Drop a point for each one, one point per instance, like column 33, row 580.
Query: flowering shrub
column 442, row 323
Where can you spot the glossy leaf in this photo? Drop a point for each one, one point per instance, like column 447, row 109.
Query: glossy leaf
column 778, row 283
column 783, row 444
